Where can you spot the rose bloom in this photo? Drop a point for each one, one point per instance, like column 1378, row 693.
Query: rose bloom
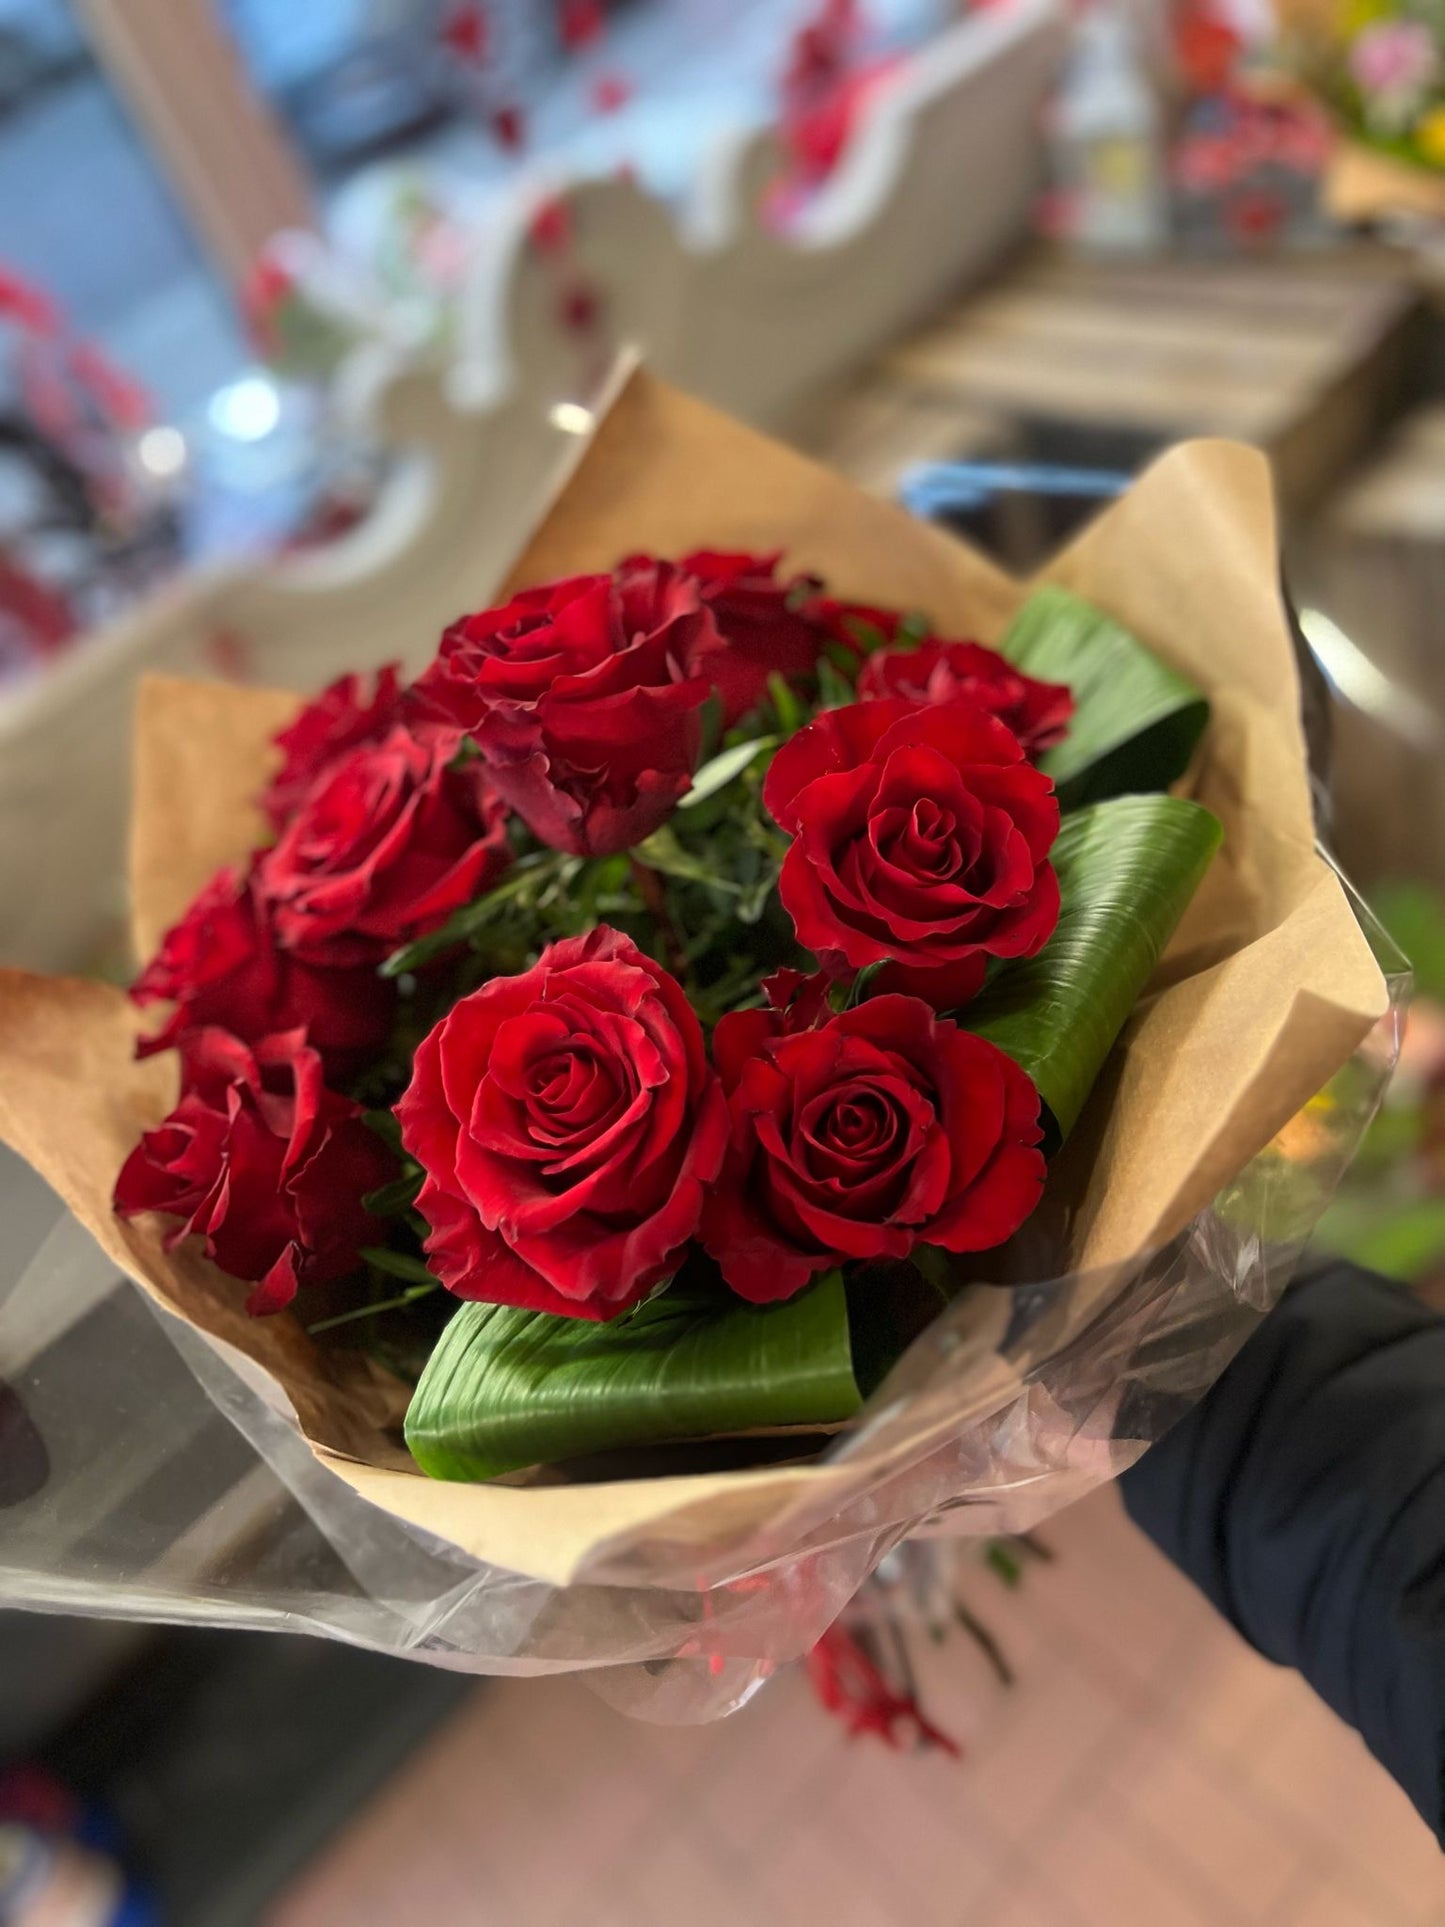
column 342, row 717
column 585, row 698
column 384, row 849
column 221, row 965
column 264, row 1163
column 920, row 835
column 878, row 1130
column 764, row 632
column 567, row 1122
column 940, row 672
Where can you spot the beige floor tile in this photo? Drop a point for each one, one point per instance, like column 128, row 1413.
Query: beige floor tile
column 909, row 1821
column 1112, row 1595
column 1146, row 1771
column 1308, row 1764
column 676, row 1879
column 1211, row 1822
column 1333, row 1902
column 1113, row 1876
column 1028, row 1906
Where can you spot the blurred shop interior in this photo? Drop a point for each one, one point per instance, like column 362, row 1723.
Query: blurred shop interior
column 302, row 303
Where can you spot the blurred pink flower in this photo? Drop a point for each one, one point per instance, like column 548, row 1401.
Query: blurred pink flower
column 1393, row 61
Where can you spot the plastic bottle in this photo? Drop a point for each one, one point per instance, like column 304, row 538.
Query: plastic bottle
column 1106, row 140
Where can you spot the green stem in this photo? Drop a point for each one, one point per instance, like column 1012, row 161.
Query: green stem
column 654, row 898
column 985, row 1641
column 407, row 1297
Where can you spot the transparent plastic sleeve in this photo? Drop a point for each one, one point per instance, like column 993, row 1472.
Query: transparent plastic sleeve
column 149, row 1472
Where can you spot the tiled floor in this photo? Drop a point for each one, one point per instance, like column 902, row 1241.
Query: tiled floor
column 1147, row 1771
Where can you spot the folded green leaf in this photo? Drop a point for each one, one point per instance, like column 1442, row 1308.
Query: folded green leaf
column 398, row 1264
column 385, row 1126
column 1136, row 723
column 662, row 851
column 1127, row 870
column 727, row 764
column 785, row 702
column 507, row 1388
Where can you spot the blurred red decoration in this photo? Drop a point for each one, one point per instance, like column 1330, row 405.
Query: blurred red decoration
column 580, row 309
column 611, row 92
column 550, row 228
column 72, row 394
column 35, row 620
column 32, row 1797
column 1255, row 215
column 266, row 287
column 1206, row 46
column 28, row 307
column 509, row 128
column 466, row 32
column 851, row 1685
column 229, row 654
column 122, row 401
column 580, row 23
column 822, row 48
column 826, row 86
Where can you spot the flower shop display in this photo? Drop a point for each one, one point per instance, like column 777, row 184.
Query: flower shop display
column 760, row 1045
column 1379, row 67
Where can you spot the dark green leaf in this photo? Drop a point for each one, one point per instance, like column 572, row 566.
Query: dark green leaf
column 1127, row 870
column 712, row 725
column 862, row 984
column 385, row 1126
column 834, row 689
column 391, row 1200
column 727, row 764
column 1136, row 722
column 1414, row 915
column 398, row 1264
column 467, row 752
column 1004, row 1560
column 785, row 702
column 506, row 1388
column 1404, row 1240
column 868, row 636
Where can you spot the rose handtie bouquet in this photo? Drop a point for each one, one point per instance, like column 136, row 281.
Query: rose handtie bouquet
column 771, row 1032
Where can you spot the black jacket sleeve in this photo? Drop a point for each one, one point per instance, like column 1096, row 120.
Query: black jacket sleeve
column 1305, row 1496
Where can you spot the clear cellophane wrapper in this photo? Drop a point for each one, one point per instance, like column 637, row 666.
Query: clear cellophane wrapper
column 156, row 1474
column 162, row 1457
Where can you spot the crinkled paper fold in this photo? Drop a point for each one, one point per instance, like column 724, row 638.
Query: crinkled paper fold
column 1268, row 989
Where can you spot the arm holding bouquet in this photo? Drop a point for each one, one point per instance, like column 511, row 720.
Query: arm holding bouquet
column 1305, row 1497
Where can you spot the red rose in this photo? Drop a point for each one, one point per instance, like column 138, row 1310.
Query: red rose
column 585, row 698
column 883, row 1128
column 764, row 631
column 384, row 849
column 942, row 672
column 797, row 1000
column 221, row 965
column 264, row 1163
column 568, row 1123
column 921, row 835
column 340, row 718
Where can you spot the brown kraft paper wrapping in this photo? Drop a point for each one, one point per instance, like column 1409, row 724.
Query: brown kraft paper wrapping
column 1267, row 989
